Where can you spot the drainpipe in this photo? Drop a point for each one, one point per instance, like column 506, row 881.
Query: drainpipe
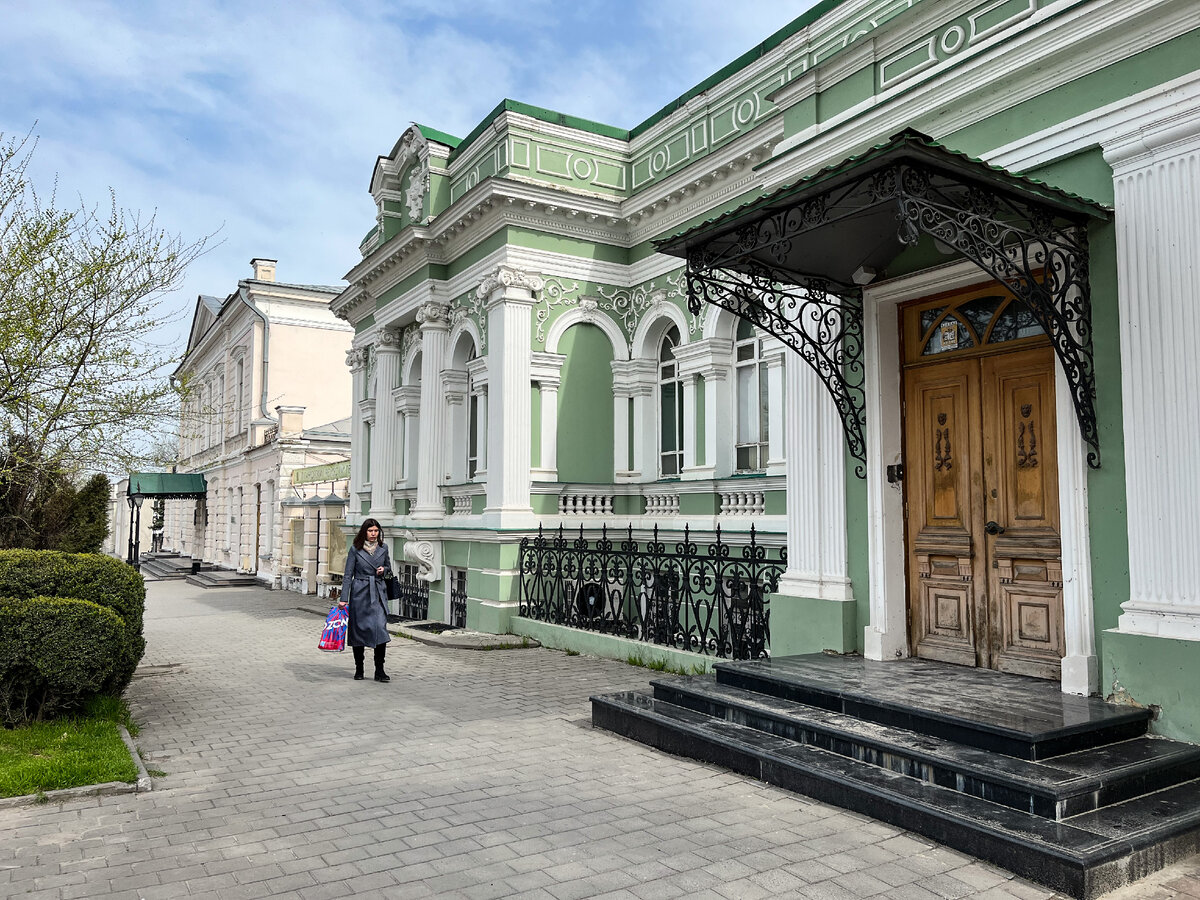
column 244, row 296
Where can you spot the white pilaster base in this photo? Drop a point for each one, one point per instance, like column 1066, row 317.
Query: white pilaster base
column 1080, row 675
column 815, row 587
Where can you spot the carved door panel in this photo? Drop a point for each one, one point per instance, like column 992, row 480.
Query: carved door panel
column 942, row 445
column 1020, row 470
column 981, row 485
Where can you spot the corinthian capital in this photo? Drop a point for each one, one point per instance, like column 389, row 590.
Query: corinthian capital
column 433, row 314
column 505, row 276
column 389, row 339
column 356, row 358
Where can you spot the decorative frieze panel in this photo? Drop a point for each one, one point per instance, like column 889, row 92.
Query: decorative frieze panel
column 712, row 126
column 951, row 39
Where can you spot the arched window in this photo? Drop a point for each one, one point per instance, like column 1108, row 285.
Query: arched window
column 670, row 406
column 752, row 400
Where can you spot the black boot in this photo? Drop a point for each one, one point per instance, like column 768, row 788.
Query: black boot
column 359, row 654
column 380, row 652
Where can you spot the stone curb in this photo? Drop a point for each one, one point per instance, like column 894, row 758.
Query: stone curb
column 143, row 783
column 455, row 638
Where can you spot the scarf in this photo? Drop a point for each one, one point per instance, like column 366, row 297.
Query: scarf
column 369, row 547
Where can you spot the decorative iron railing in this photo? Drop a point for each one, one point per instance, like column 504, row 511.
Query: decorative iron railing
column 414, row 597
column 711, row 600
column 458, row 606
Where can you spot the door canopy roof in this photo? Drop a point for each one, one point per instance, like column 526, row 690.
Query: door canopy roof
column 794, row 261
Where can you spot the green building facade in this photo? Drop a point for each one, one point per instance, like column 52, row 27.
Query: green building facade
column 973, row 444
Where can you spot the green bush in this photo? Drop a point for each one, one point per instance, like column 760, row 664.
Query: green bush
column 99, row 579
column 56, row 655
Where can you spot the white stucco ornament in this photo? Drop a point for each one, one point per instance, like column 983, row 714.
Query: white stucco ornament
column 418, row 184
column 505, row 276
column 425, row 555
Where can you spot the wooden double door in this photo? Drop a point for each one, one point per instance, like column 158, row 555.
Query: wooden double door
column 981, row 485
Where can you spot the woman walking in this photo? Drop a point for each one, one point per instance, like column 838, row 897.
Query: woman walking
column 364, row 595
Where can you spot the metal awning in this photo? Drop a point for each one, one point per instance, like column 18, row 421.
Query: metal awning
column 166, row 485
column 794, row 262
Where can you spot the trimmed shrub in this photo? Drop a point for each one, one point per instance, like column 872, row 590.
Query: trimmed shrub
column 99, row 579
column 56, row 654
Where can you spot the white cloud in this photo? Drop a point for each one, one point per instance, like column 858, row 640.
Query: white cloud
column 264, row 120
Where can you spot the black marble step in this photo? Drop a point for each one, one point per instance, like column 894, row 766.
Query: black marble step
column 1084, row 856
column 220, row 578
column 1064, row 786
column 1014, row 715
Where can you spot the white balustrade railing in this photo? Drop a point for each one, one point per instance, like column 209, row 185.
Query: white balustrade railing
column 743, row 503
column 585, row 504
column 662, row 504
column 461, row 504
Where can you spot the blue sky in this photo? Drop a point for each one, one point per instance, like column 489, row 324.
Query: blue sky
column 262, row 121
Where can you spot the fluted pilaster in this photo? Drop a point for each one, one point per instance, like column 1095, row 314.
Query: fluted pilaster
column 509, row 296
column 431, row 463
column 1157, row 181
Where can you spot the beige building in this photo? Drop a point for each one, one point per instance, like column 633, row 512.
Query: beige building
column 261, row 364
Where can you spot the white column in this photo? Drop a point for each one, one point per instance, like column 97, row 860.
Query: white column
column 816, row 483
column 546, row 370
column 775, row 355
column 635, row 379
column 386, row 436
column 1080, row 669
column 509, row 295
column 477, row 371
column 711, row 359
column 454, row 391
column 408, row 405
column 1156, row 172
column 356, row 359
column 431, row 463
column 549, row 431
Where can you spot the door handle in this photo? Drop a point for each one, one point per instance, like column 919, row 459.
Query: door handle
column 993, row 528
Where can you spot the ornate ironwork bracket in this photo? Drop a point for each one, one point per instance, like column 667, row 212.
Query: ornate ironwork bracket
column 1018, row 241
column 823, row 327
column 1019, row 244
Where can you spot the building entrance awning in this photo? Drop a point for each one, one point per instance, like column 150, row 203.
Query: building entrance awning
column 166, row 485
column 794, row 262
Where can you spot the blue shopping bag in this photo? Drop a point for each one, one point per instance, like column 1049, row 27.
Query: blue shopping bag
column 333, row 635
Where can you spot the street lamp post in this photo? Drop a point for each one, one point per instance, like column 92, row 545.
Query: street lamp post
column 135, row 527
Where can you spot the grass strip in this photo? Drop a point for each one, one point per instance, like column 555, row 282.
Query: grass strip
column 69, row 752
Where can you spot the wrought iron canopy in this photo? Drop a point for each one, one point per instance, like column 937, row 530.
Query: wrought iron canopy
column 793, row 262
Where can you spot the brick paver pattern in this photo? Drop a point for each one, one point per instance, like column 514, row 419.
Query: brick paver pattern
column 473, row 774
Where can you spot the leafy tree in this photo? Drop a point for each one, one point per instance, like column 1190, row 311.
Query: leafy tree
column 41, row 509
column 82, row 381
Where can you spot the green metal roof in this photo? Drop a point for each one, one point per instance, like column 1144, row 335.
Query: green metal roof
column 441, row 137
column 907, row 142
column 166, row 485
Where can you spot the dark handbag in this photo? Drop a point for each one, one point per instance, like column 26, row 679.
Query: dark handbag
column 392, row 584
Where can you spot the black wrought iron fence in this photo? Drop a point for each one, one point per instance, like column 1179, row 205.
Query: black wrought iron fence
column 414, row 596
column 458, row 599
column 710, row 600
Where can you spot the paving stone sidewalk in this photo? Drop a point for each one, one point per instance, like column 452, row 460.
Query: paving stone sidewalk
column 473, row 774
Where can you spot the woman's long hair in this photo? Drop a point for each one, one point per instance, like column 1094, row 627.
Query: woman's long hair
column 361, row 537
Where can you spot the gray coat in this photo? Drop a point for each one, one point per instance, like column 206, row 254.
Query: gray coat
column 365, row 594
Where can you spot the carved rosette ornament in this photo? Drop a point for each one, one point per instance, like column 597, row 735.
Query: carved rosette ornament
column 590, row 309
column 507, row 277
